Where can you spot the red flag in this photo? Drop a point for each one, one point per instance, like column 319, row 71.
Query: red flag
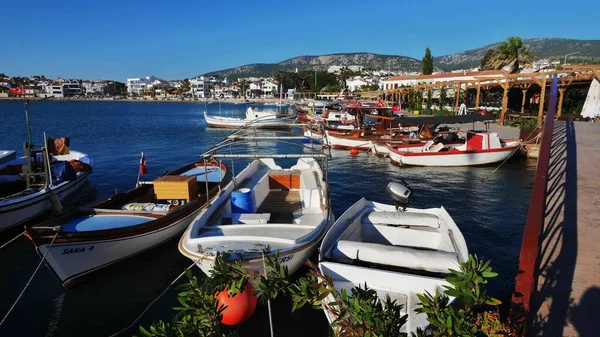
column 17, row 91
column 143, row 168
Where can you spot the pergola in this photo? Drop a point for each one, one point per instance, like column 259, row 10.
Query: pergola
column 568, row 75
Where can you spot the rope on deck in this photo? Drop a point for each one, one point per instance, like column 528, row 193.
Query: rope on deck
column 268, row 301
column 152, row 303
column 11, row 240
column 30, row 279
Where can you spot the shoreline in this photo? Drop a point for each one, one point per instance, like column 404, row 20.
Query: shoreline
column 209, row 101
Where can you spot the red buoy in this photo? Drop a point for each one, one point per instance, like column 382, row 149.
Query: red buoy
column 353, row 151
column 252, row 300
column 236, row 307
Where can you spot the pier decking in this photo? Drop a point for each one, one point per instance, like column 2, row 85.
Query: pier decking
column 564, row 299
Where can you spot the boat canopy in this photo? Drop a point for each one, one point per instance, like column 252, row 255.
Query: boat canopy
column 405, row 120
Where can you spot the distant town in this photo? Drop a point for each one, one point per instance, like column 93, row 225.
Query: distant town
column 348, row 79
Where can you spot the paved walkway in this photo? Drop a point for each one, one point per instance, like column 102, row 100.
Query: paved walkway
column 566, row 301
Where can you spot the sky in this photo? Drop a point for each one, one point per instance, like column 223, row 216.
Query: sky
column 181, row 39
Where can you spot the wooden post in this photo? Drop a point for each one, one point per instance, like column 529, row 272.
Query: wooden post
column 561, row 92
column 505, row 86
column 457, row 97
column 477, row 97
column 524, row 90
column 542, row 97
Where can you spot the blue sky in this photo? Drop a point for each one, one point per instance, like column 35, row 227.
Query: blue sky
column 177, row 39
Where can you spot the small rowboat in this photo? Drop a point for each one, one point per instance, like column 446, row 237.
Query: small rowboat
column 253, row 119
column 125, row 224
column 480, row 148
column 26, row 194
column 396, row 253
column 266, row 208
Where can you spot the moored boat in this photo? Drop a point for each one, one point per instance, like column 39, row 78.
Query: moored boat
column 253, row 118
column 36, row 182
column 266, row 208
column 480, row 148
column 125, row 224
column 397, row 253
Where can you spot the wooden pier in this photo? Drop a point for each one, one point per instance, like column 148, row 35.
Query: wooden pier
column 557, row 291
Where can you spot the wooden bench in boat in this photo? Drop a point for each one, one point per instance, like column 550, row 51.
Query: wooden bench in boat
column 397, row 256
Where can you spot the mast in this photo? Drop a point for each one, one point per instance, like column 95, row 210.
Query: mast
column 27, row 116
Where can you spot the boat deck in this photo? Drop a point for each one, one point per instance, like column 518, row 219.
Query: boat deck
column 281, row 202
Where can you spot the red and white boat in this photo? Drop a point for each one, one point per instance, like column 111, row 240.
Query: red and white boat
column 480, row 148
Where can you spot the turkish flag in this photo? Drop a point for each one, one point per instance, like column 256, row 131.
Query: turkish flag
column 17, row 91
column 143, row 168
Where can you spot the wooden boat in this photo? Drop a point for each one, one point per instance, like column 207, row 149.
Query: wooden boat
column 127, row 223
column 448, row 138
column 253, row 118
column 32, row 184
column 264, row 209
column 396, row 253
column 480, row 148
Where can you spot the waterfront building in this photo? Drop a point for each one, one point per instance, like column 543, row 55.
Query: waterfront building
column 136, row 86
column 355, row 83
column 54, row 89
column 463, row 75
column 200, row 87
column 93, row 88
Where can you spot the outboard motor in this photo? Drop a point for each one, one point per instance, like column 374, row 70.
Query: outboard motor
column 401, row 194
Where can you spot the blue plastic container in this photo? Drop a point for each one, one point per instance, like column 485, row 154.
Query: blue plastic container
column 241, row 201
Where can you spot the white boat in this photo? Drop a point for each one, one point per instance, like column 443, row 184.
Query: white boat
column 125, row 224
column 253, row 118
column 396, row 253
column 480, row 148
column 30, row 185
column 266, row 208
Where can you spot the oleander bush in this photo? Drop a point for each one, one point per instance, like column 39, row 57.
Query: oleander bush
column 359, row 312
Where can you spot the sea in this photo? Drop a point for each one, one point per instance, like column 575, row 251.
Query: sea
column 489, row 205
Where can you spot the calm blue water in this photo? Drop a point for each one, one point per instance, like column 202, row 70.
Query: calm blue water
column 490, row 209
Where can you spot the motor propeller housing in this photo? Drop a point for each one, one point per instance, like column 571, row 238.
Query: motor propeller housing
column 400, row 193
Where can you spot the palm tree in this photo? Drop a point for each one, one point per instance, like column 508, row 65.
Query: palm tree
column 511, row 52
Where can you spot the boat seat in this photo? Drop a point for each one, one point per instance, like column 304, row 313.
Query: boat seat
column 402, row 219
column 436, row 148
column 427, row 145
column 398, row 256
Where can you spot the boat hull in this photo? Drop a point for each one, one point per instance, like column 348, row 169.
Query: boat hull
column 268, row 122
column 72, row 261
column 347, row 143
column 31, row 206
column 449, row 159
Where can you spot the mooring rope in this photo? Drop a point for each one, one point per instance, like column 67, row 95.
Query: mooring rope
column 154, row 301
column 30, row 279
column 268, row 300
column 11, row 240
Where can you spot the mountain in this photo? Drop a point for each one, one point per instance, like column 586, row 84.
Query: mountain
column 554, row 48
column 367, row 60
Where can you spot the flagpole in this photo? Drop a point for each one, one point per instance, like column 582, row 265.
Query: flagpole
column 27, row 116
column 139, row 171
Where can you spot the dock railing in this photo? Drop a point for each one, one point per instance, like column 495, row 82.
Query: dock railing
column 525, row 281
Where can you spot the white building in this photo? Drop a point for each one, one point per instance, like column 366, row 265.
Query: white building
column 55, row 89
column 93, row 88
column 200, row 87
column 355, row 83
column 355, row 68
column 137, row 86
column 334, row 69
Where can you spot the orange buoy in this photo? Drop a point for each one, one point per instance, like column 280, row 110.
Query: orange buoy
column 236, row 307
column 354, row 151
column 252, row 300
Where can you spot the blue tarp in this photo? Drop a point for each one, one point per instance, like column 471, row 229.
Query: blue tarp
column 62, row 171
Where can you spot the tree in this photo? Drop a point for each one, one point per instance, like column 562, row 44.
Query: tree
column 486, row 60
column 511, row 52
column 427, row 63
